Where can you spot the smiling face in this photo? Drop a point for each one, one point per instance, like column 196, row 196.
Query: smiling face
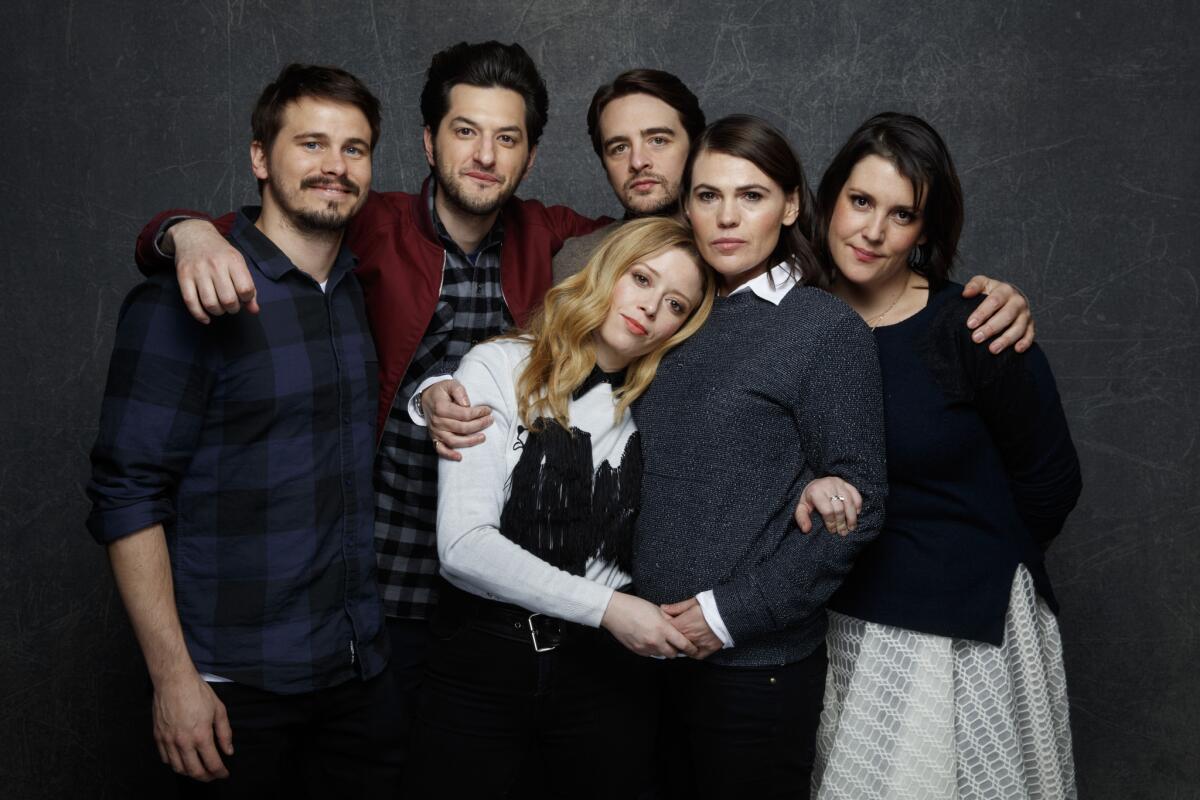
column 650, row 302
column 480, row 151
column 644, row 147
column 737, row 212
column 875, row 224
column 318, row 169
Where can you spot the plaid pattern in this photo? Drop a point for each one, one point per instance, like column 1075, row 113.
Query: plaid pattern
column 469, row 310
column 250, row 440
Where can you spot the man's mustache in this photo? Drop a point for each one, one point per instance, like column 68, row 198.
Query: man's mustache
column 340, row 182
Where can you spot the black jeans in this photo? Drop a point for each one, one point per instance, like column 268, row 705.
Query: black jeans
column 741, row 731
column 337, row 742
column 497, row 719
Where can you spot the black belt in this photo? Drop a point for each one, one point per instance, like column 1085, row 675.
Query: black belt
column 510, row 621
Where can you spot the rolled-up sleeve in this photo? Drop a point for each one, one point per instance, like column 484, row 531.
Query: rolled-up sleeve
column 160, row 378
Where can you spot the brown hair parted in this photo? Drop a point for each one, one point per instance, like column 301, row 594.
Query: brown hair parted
column 654, row 82
column 763, row 145
column 919, row 154
column 308, row 80
column 562, row 353
column 485, row 65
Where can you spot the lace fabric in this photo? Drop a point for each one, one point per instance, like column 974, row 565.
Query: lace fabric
column 911, row 715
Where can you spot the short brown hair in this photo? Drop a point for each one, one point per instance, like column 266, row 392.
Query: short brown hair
column 308, row 80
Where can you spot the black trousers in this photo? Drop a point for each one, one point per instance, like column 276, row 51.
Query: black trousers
column 337, row 742
column 497, row 719
column 740, row 731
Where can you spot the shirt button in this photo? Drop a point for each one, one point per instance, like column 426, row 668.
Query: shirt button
column 771, row 681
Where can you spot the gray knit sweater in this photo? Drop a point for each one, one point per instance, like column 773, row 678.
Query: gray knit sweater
column 739, row 418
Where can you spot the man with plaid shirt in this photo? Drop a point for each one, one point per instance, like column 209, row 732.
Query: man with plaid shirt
column 232, row 481
column 456, row 263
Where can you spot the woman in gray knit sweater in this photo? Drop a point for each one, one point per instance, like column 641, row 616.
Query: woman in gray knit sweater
column 781, row 385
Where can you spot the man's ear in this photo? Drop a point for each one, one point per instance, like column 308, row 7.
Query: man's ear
column 531, row 159
column 258, row 161
column 428, row 137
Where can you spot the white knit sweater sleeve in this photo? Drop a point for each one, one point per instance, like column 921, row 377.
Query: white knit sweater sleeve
column 474, row 555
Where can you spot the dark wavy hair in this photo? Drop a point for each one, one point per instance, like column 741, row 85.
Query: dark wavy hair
column 764, row 146
column 654, row 82
column 919, row 154
column 486, row 65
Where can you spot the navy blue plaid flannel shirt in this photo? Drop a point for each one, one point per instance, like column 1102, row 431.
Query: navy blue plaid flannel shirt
column 251, row 440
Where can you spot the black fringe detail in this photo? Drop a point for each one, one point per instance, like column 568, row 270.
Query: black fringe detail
column 562, row 513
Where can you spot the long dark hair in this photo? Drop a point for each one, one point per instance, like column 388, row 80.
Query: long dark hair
column 919, row 154
column 764, row 146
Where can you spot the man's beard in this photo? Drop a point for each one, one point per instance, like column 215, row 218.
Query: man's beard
column 322, row 220
column 667, row 206
column 476, row 206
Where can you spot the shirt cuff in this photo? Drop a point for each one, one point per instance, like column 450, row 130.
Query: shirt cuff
column 162, row 230
column 415, row 413
column 708, row 606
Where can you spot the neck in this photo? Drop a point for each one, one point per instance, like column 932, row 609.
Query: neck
column 313, row 252
column 466, row 229
column 884, row 303
column 730, row 282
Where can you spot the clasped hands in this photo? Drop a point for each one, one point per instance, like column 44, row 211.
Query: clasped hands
column 664, row 631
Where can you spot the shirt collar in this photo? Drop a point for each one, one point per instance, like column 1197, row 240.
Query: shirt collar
column 772, row 286
column 267, row 256
column 596, row 377
column 494, row 236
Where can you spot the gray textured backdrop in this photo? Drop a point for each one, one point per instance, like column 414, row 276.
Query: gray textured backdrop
column 1075, row 128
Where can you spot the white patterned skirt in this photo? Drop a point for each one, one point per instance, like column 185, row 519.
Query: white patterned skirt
column 912, row 715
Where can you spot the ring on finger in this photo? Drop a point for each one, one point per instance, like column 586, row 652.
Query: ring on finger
column 837, row 497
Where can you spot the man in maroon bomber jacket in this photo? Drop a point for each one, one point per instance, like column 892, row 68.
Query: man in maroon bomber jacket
column 459, row 262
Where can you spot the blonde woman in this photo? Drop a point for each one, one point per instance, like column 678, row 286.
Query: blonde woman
column 536, row 645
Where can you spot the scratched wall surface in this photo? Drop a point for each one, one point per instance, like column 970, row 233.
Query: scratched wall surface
column 1075, row 127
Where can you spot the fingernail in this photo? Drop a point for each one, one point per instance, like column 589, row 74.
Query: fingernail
column 972, row 322
column 977, row 337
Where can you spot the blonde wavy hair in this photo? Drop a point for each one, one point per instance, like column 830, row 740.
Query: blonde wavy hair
column 563, row 353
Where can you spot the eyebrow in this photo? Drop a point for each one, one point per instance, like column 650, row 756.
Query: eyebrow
column 912, row 208
column 474, row 124
column 325, row 138
column 756, row 186
column 643, row 132
column 646, row 266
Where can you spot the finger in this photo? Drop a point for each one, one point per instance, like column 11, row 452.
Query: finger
column 192, row 765
column 851, row 510
column 187, row 290
column 458, row 393
column 210, row 759
column 208, row 297
column 804, row 517
column 227, row 295
column 460, row 442
column 445, row 452
column 162, row 751
column 446, row 409
column 1026, row 341
column 681, row 643
column 1005, row 320
column 855, row 498
column 450, row 425
column 675, row 609
column 243, row 284
column 174, row 758
column 975, row 286
column 982, row 314
column 223, row 729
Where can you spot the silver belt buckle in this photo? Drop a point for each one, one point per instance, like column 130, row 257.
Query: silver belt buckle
column 537, row 648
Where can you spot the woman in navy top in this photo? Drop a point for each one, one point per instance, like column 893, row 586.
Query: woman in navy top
column 946, row 675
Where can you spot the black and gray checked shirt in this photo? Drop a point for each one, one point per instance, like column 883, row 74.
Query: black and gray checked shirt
column 469, row 310
column 250, row 440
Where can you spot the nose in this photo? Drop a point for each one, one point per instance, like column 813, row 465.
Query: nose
column 727, row 214
column 485, row 152
column 334, row 162
column 639, row 158
column 874, row 229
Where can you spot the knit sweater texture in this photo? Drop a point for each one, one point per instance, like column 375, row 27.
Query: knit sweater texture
column 738, row 420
